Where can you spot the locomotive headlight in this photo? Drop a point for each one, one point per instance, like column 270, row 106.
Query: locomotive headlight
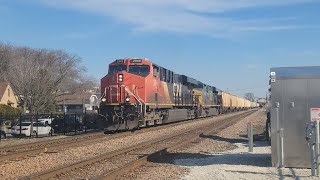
column 120, row 77
column 128, row 99
column 104, row 99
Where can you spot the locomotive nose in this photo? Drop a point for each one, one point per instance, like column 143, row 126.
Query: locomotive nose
column 114, row 91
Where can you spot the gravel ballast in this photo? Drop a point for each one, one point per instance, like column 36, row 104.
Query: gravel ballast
column 21, row 141
column 239, row 164
column 222, row 156
column 167, row 169
column 47, row 161
column 226, row 156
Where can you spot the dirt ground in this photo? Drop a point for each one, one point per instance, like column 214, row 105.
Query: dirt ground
column 170, row 166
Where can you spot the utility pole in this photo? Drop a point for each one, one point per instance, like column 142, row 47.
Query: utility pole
column 64, row 110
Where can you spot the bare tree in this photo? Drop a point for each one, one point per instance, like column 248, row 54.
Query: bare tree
column 249, row 96
column 37, row 75
column 4, row 60
column 72, row 86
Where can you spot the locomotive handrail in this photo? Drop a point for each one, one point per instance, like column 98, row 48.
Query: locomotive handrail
column 137, row 97
column 102, row 96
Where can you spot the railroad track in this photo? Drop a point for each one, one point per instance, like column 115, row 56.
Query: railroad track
column 112, row 164
column 24, row 151
column 31, row 149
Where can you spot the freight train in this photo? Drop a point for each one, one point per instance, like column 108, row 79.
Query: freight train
column 138, row 93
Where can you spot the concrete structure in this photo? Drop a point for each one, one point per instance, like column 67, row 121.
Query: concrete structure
column 7, row 95
column 295, row 92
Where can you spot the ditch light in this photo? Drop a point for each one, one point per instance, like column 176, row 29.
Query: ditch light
column 127, row 99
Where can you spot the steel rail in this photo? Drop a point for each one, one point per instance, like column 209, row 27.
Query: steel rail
column 40, row 143
column 144, row 159
column 57, row 172
column 24, row 151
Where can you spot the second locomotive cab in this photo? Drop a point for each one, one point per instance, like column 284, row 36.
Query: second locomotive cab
column 138, row 93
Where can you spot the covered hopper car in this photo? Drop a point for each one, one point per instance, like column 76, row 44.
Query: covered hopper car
column 230, row 102
column 255, row 105
column 138, row 93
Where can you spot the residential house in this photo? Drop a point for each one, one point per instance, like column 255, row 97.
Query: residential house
column 7, row 95
column 77, row 102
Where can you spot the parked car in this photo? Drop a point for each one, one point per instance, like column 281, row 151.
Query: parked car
column 5, row 128
column 66, row 123
column 3, row 134
column 31, row 129
column 47, row 119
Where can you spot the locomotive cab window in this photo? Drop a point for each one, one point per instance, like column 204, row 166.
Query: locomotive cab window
column 168, row 76
column 117, row 68
column 156, row 72
column 172, row 77
column 142, row 70
column 163, row 74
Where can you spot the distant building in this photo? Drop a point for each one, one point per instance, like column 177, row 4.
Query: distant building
column 7, row 95
column 77, row 102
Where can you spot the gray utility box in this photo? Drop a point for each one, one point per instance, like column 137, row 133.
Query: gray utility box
column 295, row 97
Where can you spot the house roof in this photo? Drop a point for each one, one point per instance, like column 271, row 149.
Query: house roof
column 3, row 87
column 74, row 99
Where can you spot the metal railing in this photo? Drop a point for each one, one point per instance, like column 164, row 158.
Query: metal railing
column 40, row 125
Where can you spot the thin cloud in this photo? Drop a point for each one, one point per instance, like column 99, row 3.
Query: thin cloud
column 182, row 16
column 218, row 6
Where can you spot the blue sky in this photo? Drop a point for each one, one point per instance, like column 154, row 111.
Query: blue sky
column 229, row 44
